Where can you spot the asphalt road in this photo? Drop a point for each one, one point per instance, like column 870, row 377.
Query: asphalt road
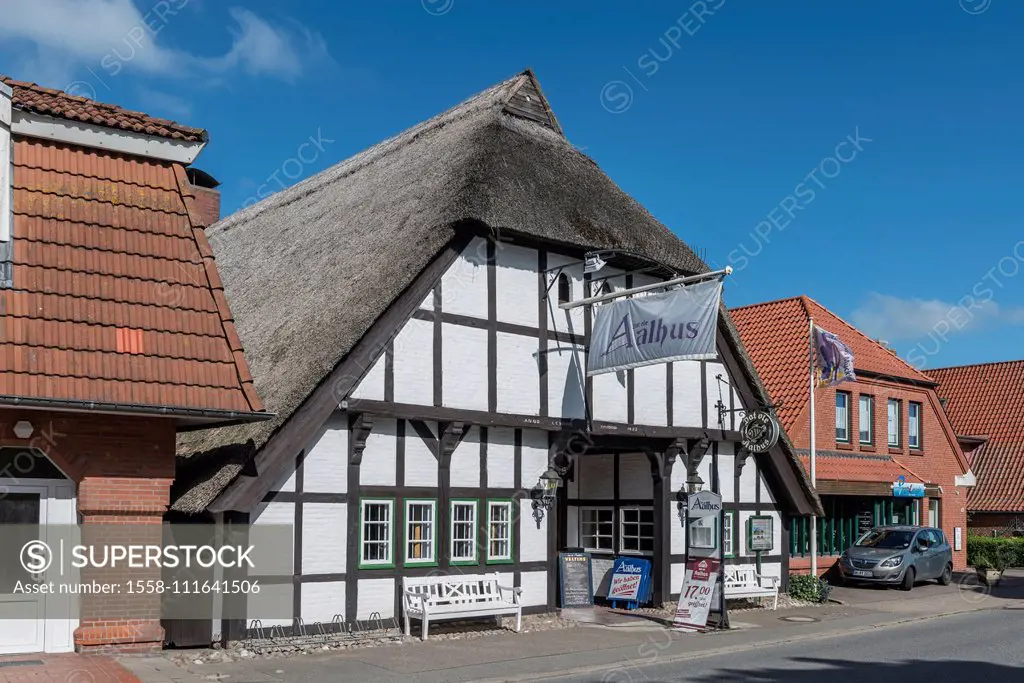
column 978, row 646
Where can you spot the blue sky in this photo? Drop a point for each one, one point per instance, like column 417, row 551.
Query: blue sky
column 865, row 154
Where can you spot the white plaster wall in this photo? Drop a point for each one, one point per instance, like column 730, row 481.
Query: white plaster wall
column 635, row 476
column 535, row 588
column 704, row 470
column 737, row 404
column 375, row 595
column 501, row 457
column 766, row 493
column 273, row 513
column 566, row 385
column 420, row 463
column 572, row 320
column 611, row 397
column 371, row 386
column 378, row 465
column 321, row 601
column 286, row 482
column 272, row 605
column 533, row 541
column 517, row 283
column 718, row 390
column 535, row 456
column 686, row 395
column 727, row 472
column 325, row 534
column 464, row 367
column 518, row 374
column 465, row 465
column 325, row 468
column 650, row 395
column 464, row 284
column 678, row 533
column 679, row 473
column 414, row 363
column 428, row 302
column 595, row 474
column 748, row 481
column 678, row 574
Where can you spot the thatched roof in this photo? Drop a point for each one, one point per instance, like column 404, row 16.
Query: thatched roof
column 308, row 270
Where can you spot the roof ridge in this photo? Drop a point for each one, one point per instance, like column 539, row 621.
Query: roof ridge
column 765, row 303
column 978, row 365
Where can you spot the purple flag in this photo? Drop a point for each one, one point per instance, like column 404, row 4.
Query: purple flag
column 834, row 359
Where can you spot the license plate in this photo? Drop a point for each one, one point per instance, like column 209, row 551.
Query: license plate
column 861, row 572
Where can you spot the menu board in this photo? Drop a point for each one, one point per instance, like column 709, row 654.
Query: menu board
column 575, row 580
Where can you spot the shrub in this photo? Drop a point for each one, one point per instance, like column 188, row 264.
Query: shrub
column 995, row 553
column 807, row 588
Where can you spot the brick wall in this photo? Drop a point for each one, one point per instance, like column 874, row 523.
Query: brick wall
column 124, row 467
column 935, row 462
column 207, row 205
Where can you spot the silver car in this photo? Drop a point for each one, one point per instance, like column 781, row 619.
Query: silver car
column 898, row 555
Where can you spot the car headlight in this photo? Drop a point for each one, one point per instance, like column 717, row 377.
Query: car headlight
column 892, row 562
column 844, row 557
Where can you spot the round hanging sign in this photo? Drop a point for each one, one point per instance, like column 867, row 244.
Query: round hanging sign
column 759, row 431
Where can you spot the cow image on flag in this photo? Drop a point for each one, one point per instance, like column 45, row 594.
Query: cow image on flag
column 834, row 359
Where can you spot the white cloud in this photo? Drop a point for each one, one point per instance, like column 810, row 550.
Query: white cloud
column 892, row 318
column 108, row 36
column 165, row 105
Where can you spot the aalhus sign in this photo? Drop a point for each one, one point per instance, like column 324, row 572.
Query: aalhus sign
column 677, row 325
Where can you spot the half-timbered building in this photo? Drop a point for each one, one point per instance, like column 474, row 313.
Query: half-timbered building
column 400, row 312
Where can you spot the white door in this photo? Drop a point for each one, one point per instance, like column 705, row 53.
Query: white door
column 22, row 615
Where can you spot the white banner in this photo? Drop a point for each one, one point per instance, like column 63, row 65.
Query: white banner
column 677, row 325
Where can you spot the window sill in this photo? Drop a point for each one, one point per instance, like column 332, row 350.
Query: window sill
column 389, row 565
column 508, row 561
column 895, row 451
column 868, row 447
column 916, row 451
column 463, row 563
column 844, row 446
column 420, row 564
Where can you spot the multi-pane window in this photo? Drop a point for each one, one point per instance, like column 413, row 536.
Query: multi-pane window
column 464, row 531
column 842, row 416
column 893, row 422
column 597, row 528
column 728, row 531
column 636, row 530
column 914, row 424
column 866, row 419
column 376, row 532
column 499, row 531
column 420, row 523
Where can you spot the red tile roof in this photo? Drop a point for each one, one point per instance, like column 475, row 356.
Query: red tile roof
column 115, row 295
column 988, row 400
column 776, row 336
column 853, row 468
column 49, row 102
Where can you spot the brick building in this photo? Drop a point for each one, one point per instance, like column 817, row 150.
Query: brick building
column 887, row 425
column 985, row 402
column 115, row 336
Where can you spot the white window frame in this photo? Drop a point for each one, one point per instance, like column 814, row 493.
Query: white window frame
column 729, row 545
column 507, row 523
column 390, row 526
column 869, row 401
column 845, row 395
column 597, row 524
column 914, row 424
column 473, row 525
column 622, row 529
column 889, row 415
column 431, row 542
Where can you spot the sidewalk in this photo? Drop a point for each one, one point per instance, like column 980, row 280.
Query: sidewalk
column 63, row 669
column 533, row 656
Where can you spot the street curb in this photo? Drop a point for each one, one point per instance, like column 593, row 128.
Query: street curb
column 731, row 649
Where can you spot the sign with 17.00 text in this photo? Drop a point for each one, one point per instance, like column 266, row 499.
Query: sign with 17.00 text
column 696, row 594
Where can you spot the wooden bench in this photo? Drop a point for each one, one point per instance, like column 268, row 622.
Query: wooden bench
column 459, row 596
column 747, row 583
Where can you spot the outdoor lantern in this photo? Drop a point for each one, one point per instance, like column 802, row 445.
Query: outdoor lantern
column 544, row 498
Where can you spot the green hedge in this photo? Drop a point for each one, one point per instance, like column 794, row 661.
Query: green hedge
column 995, row 553
column 807, row 588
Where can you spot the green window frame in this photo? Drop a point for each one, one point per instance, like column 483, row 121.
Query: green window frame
column 420, row 538
column 729, row 530
column 462, row 531
column 383, row 536
column 500, row 531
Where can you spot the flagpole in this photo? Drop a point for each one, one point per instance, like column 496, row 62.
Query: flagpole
column 814, row 519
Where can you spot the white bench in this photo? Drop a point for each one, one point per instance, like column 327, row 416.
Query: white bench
column 747, row 583
column 459, row 596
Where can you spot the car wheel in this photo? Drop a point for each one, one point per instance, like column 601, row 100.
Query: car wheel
column 908, row 579
column 947, row 576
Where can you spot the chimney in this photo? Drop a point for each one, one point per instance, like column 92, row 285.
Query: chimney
column 207, row 195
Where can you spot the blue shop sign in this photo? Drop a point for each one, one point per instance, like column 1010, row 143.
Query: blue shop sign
column 901, row 488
